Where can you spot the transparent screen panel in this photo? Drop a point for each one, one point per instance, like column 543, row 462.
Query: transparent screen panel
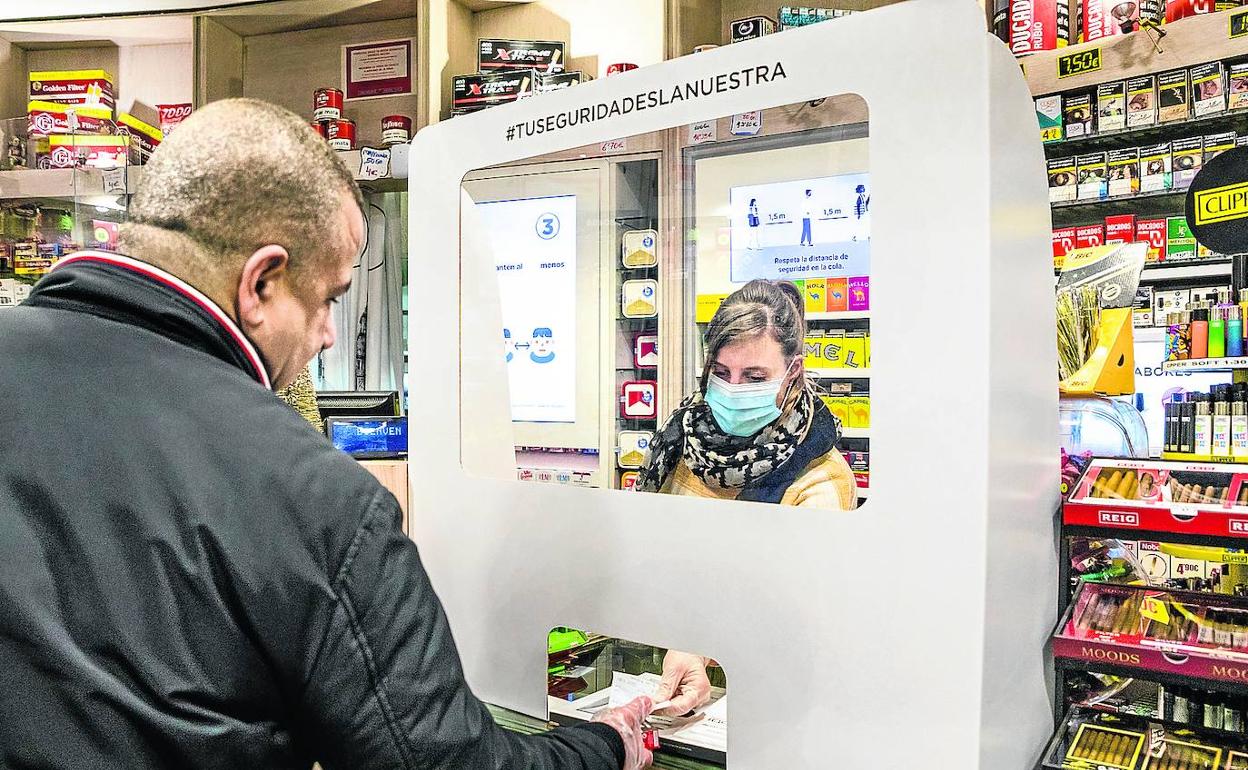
column 683, row 312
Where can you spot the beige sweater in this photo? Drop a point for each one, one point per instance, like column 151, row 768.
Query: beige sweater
column 826, row 483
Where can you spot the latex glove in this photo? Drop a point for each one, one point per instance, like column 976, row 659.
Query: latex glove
column 627, row 721
column 684, row 682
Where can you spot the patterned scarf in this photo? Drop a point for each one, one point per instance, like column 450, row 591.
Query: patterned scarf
column 720, row 460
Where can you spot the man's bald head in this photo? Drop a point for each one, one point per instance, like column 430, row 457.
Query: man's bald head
column 238, row 174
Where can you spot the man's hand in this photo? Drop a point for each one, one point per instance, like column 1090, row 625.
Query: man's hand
column 684, row 682
column 627, row 721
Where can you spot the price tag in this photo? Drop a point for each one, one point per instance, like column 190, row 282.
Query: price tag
column 1078, row 63
column 614, row 145
column 1239, row 24
column 702, row 132
column 374, row 163
column 1155, row 609
column 115, row 181
column 747, row 123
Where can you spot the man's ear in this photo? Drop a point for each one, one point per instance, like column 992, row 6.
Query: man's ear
column 258, row 281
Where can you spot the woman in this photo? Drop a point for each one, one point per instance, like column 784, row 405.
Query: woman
column 755, row 429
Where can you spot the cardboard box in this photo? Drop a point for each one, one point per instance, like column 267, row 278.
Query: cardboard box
column 1141, row 101
column 1216, row 144
column 1155, row 167
column 500, row 55
column 838, row 295
column 474, row 92
column 1142, row 311
column 1038, row 25
column 1187, row 157
column 1078, row 115
column 88, row 151
column 557, row 81
column 91, row 87
column 1111, row 106
column 855, row 350
column 1062, row 179
column 1153, row 233
column 1173, row 97
column 1063, row 244
column 752, row 27
column 1093, row 170
column 1124, row 171
column 144, row 138
column 1180, row 243
column 1088, row 236
column 47, row 118
column 1237, row 87
column 1049, row 116
column 1208, row 89
column 1120, row 229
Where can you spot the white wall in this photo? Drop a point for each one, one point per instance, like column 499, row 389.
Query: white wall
column 154, row 74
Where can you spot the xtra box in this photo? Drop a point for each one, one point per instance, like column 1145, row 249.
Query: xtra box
column 1062, row 179
column 469, row 92
column 1187, row 156
column 1208, row 88
column 1155, row 167
column 1049, row 116
column 1180, row 243
column 1173, row 102
column 1124, row 171
column 545, row 56
column 1038, row 25
column 1093, row 176
column 1120, row 229
column 1237, row 87
column 1141, row 101
column 1153, row 233
column 1063, row 244
column 557, row 81
column 1088, row 236
column 1111, row 106
column 1077, row 115
column 752, row 27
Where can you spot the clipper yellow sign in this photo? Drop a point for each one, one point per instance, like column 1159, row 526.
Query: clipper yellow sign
column 1222, row 204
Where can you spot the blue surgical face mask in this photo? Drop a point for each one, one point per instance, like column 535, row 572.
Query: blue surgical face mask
column 745, row 408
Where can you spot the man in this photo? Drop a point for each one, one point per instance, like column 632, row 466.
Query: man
column 191, row 577
column 806, row 217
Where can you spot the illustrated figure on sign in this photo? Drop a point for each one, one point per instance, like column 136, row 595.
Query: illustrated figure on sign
column 508, row 345
column 806, row 215
column 543, row 341
column 864, row 201
column 752, row 220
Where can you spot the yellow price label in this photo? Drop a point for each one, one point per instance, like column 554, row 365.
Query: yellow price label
column 1155, row 609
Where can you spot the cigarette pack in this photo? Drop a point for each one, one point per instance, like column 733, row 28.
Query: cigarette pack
column 791, row 17
column 1141, row 101
column 545, row 56
column 557, row 81
column 1111, row 106
column 1063, row 244
column 48, row 118
column 93, row 87
column 1208, row 89
column 1180, row 243
column 859, row 411
column 1049, row 116
column 838, row 294
column 752, row 27
column 144, row 138
column 839, row 407
column 1124, row 171
column 1038, row 25
column 1170, row 301
column 88, row 150
column 1216, row 144
column 1173, row 97
column 1237, row 87
column 1188, row 156
column 1077, row 112
column 639, row 248
column 1153, row 233
column 472, row 92
column 1142, row 312
column 1088, row 236
column 1155, row 167
column 1093, row 176
column 1062, row 179
column 816, row 292
column 1106, row 18
column 639, row 299
column 1120, row 229
column 860, row 293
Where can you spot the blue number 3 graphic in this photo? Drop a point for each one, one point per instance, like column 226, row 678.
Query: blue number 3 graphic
column 547, row 226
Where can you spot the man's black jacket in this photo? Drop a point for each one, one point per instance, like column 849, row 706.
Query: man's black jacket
column 191, row 577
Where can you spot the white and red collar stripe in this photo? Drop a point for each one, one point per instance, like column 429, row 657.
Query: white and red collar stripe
column 184, row 288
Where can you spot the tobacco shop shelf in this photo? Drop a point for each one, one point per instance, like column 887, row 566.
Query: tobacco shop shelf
column 1157, row 202
column 849, row 315
column 1191, row 458
column 855, row 432
column 62, row 183
column 396, row 178
column 1178, row 271
column 1145, row 135
column 840, row 374
column 1206, row 365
